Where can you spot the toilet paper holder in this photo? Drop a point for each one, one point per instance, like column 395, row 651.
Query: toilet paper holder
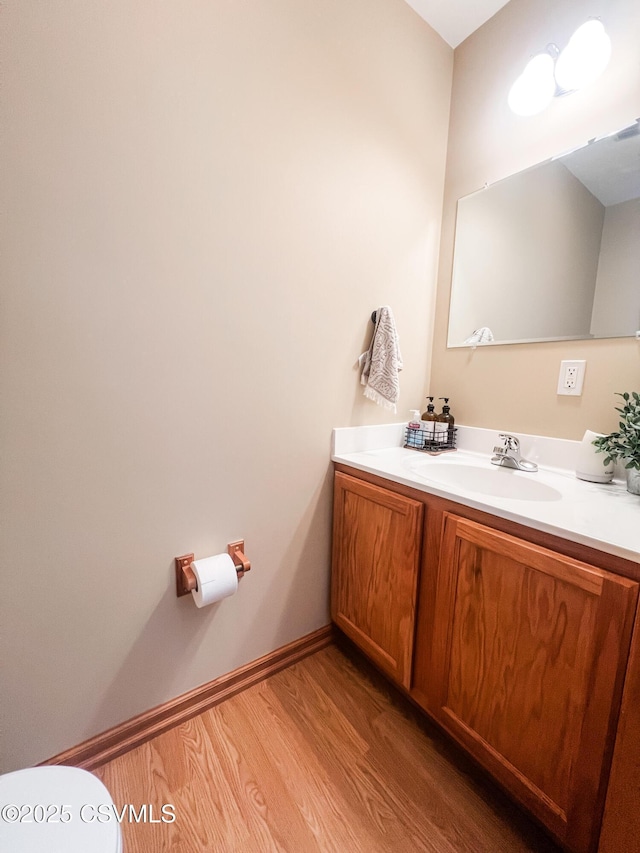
column 185, row 576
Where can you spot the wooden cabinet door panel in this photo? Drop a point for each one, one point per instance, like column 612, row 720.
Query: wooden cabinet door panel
column 531, row 649
column 376, row 558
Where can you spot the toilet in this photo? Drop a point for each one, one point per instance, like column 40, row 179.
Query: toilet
column 55, row 810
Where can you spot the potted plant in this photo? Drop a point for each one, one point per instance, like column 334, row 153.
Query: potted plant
column 625, row 444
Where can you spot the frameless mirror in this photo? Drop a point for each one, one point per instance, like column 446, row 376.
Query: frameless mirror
column 552, row 253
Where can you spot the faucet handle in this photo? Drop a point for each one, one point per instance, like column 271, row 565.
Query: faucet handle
column 510, row 441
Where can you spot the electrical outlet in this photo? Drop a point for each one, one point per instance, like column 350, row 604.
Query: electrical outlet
column 571, row 377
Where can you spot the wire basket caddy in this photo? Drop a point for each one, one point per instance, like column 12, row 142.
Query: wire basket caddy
column 430, row 440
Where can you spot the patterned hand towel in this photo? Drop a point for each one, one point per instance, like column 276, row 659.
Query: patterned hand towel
column 382, row 362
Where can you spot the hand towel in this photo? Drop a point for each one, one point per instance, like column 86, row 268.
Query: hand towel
column 483, row 335
column 382, row 362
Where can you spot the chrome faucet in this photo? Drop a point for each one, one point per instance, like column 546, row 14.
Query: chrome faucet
column 508, row 454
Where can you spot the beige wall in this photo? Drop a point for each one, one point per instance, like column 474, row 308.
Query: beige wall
column 205, row 203
column 514, row 387
column 617, row 298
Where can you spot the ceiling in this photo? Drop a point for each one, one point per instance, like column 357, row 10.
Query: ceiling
column 454, row 20
column 609, row 168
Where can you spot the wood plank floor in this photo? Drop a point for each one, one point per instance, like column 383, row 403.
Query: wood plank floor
column 323, row 756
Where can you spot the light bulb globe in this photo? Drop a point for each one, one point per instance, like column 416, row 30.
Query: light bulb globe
column 585, row 57
column 534, row 88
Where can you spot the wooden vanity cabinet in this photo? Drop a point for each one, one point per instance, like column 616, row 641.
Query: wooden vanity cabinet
column 376, row 560
column 519, row 651
column 530, row 651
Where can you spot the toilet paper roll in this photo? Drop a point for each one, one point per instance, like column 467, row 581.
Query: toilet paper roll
column 217, row 579
column 590, row 464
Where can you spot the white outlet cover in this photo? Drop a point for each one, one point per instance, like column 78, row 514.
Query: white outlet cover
column 580, row 367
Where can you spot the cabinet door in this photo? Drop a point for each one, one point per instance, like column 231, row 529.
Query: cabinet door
column 376, row 556
column 531, row 650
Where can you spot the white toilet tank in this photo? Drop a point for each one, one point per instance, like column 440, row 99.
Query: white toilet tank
column 55, row 810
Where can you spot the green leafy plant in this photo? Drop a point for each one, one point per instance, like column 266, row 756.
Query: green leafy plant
column 624, row 444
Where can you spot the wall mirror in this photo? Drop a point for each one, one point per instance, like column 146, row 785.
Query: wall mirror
column 553, row 252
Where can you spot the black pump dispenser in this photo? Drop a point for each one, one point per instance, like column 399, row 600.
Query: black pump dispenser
column 445, row 417
column 430, row 414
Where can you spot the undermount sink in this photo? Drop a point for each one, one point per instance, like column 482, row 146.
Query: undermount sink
column 488, row 479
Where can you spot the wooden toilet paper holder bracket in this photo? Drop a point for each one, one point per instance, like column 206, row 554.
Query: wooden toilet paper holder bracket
column 236, row 551
column 186, row 578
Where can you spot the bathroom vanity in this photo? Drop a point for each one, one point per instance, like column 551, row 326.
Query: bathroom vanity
column 504, row 609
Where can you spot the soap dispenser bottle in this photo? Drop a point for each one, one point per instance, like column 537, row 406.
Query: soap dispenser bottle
column 414, row 430
column 430, row 417
column 445, row 417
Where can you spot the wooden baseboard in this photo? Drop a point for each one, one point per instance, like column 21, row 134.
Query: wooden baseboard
column 136, row 731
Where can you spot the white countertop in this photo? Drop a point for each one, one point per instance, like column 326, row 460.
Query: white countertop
column 602, row 516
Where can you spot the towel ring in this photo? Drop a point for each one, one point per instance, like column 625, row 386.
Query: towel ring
column 374, row 317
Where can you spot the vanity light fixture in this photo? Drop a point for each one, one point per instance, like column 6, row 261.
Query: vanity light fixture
column 554, row 72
